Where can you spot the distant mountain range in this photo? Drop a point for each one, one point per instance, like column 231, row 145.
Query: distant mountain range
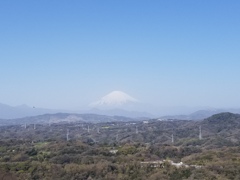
column 11, row 112
column 64, row 118
column 120, row 112
column 201, row 114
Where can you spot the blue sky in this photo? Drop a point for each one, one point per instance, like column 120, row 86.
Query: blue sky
column 67, row 54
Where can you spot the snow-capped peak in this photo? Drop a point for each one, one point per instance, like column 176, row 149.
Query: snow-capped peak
column 113, row 99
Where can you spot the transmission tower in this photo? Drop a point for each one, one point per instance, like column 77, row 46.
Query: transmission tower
column 98, row 130
column 136, row 130
column 200, row 132
column 117, row 137
column 68, row 135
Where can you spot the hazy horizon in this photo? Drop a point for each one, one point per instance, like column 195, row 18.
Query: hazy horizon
column 68, row 54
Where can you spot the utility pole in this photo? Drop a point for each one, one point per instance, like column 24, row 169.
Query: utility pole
column 34, row 126
column 172, row 139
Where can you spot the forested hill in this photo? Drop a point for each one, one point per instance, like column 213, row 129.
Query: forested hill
column 221, row 130
column 224, row 124
column 223, row 118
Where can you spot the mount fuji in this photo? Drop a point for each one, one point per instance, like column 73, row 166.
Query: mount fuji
column 115, row 99
column 118, row 103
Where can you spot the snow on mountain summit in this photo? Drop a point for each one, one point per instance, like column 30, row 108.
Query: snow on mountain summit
column 114, row 99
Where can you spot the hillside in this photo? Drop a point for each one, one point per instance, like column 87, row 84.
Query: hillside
column 149, row 149
column 64, row 118
column 201, row 114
